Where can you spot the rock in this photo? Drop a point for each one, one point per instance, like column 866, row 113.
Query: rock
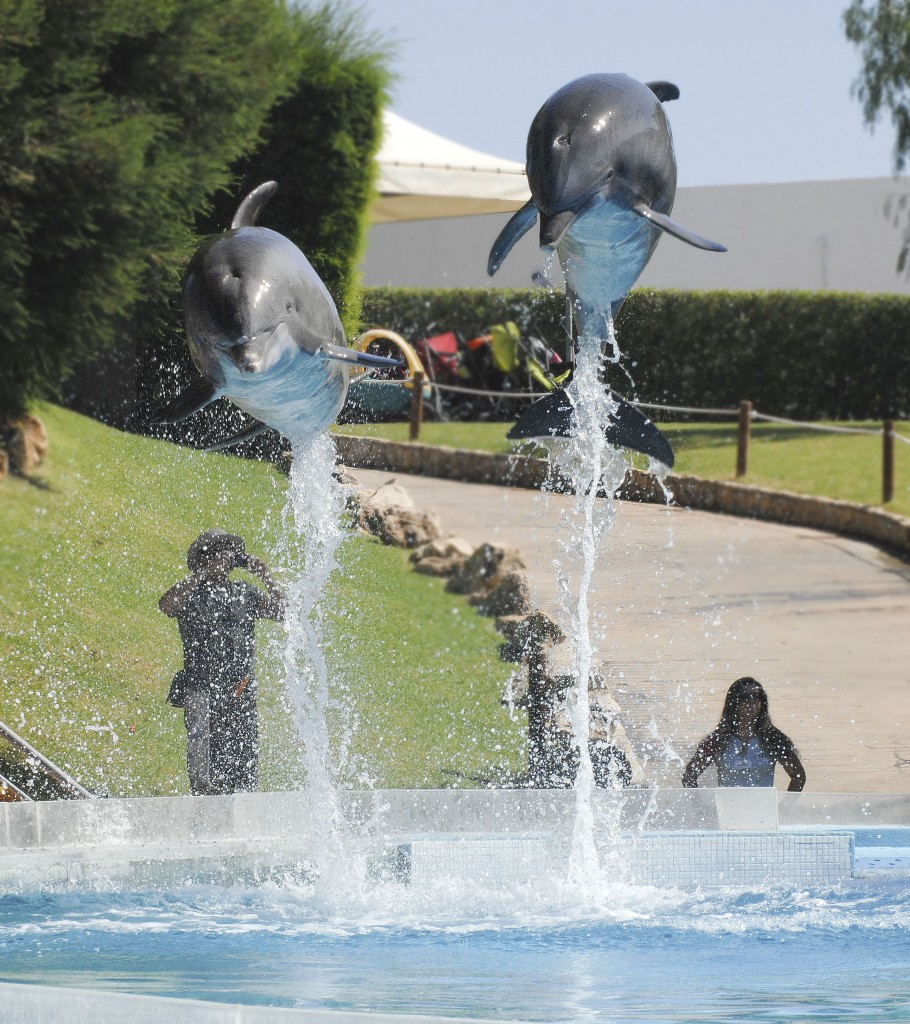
column 496, row 580
column 443, row 547
column 399, row 527
column 485, row 568
column 26, row 444
column 354, row 494
column 345, row 477
column 441, row 557
column 390, row 494
column 510, row 596
column 559, row 662
column 606, row 730
column 4, row 463
column 527, row 634
column 436, row 566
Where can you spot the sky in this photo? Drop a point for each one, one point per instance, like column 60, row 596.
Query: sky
column 765, row 84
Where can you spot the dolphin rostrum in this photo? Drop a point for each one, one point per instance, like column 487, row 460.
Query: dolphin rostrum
column 263, row 331
column 602, row 174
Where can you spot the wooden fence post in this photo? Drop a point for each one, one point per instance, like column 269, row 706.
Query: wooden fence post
column 742, row 439
column 416, row 406
column 887, row 461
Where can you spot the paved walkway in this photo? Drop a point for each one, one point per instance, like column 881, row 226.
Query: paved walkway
column 684, row 602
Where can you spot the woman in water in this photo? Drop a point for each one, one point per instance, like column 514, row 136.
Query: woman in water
column 745, row 746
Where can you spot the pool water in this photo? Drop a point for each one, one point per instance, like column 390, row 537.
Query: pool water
column 640, row 954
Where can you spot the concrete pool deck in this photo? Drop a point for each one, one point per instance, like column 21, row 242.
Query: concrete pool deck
column 686, row 601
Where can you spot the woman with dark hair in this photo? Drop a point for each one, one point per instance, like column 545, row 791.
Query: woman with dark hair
column 745, row 747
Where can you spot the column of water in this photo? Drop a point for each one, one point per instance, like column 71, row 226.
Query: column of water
column 313, row 528
column 595, row 470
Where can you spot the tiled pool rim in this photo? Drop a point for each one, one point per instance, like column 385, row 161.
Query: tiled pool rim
column 35, row 1004
column 678, row 838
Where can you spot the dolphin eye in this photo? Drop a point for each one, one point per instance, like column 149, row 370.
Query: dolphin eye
column 563, row 140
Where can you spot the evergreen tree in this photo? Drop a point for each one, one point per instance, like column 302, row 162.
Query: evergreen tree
column 118, row 122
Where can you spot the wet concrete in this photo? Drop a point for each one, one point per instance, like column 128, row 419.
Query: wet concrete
column 684, row 602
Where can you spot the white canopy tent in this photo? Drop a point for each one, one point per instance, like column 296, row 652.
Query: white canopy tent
column 423, row 176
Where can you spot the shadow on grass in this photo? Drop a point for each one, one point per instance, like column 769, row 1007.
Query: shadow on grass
column 36, row 481
column 711, row 436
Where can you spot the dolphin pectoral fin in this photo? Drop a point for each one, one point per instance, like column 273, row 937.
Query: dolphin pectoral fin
column 248, row 210
column 355, row 358
column 254, row 431
column 664, row 91
column 553, row 416
column 669, row 225
column 519, row 224
column 197, row 396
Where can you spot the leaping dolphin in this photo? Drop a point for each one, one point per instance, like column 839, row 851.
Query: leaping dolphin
column 602, row 173
column 263, row 331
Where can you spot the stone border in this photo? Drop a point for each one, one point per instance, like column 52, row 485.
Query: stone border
column 846, row 518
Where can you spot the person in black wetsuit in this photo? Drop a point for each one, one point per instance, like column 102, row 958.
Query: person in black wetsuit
column 217, row 686
column 745, row 747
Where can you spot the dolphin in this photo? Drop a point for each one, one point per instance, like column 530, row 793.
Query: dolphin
column 263, row 331
column 602, row 174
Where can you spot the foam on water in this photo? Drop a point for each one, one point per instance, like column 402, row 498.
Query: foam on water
column 289, row 910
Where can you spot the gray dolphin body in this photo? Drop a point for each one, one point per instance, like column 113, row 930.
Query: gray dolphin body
column 602, row 173
column 263, row 331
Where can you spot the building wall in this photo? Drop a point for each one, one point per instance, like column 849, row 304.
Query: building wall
column 835, row 235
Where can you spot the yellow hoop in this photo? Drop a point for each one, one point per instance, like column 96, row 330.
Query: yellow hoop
column 362, row 341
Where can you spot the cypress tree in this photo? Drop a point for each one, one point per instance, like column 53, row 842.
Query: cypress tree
column 118, row 122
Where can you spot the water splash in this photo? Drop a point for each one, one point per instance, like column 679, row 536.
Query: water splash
column 314, row 532
column 595, row 471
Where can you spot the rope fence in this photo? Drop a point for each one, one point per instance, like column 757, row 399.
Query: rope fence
column 745, row 414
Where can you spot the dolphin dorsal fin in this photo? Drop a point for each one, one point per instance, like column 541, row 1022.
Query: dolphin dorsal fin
column 664, row 91
column 248, row 210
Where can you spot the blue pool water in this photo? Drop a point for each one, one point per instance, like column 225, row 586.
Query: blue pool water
column 833, row 954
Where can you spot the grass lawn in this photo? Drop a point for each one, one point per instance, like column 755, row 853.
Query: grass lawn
column 86, row 657
column 843, row 466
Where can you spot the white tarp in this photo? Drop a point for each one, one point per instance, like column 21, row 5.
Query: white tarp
column 423, row 175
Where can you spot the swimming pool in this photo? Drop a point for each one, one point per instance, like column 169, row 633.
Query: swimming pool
column 642, row 954
column 516, row 941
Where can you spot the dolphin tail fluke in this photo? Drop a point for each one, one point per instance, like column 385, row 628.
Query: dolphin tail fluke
column 197, row 396
column 254, row 431
column 519, row 224
column 248, row 211
column 630, row 428
column 669, row 225
column 553, row 416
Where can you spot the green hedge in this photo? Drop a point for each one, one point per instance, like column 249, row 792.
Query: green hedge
column 808, row 355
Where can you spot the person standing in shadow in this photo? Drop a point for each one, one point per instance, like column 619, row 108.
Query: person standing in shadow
column 216, row 687
column 745, row 747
